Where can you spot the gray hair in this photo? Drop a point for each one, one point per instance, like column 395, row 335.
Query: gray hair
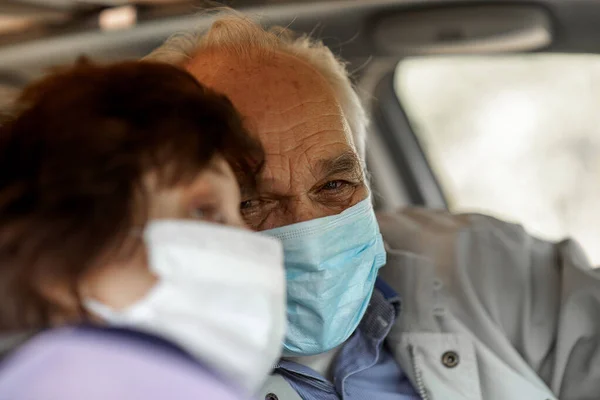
column 237, row 34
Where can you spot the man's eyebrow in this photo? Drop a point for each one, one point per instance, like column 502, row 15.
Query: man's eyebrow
column 345, row 163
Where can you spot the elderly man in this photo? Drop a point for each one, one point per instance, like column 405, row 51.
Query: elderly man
column 466, row 307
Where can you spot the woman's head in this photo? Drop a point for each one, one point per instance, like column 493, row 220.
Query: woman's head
column 89, row 156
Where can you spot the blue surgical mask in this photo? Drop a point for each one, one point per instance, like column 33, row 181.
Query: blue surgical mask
column 331, row 266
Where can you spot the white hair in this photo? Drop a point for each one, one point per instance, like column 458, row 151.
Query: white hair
column 237, row 34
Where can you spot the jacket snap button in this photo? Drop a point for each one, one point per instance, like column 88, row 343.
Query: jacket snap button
column 450, row 359
column 271, row 396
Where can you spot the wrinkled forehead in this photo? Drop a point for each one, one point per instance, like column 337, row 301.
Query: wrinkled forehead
column 275, row 93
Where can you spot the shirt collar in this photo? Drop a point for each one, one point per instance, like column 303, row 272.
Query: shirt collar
column 381, row 313
column 389, row 294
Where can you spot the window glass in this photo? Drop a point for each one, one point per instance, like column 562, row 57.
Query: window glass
column 516, row 137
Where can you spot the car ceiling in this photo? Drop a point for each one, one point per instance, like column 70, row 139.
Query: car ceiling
column 38, row 34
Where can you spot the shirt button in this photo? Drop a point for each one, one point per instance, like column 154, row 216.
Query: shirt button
column 450, row 359
column 271, row 396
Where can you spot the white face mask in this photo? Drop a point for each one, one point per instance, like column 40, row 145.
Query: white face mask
column 220, row 296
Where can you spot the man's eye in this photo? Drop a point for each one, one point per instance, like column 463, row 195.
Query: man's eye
column 248, row 204
column 254, row 212
column 334, row 185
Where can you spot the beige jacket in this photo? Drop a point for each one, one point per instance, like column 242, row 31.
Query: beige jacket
column 488, row 312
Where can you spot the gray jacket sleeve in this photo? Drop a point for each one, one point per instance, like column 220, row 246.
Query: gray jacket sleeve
column 543, row 297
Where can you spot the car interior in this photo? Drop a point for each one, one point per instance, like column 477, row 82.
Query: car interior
column 437, row 46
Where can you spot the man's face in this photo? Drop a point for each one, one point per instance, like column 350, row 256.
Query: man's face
column 311, row 169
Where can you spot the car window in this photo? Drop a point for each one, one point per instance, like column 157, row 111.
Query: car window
column 516, row 137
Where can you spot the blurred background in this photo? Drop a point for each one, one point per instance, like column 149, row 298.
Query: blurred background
column 513, row 136
column 481, row 106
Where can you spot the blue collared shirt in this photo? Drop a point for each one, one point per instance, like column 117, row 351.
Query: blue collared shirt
column 364, row 368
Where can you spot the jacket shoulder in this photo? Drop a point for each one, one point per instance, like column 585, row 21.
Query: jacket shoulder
column 414, row 229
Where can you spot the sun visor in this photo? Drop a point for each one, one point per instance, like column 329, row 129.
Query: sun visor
column 464, row 30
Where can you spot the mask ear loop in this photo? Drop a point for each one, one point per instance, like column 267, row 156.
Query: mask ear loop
column 95, row 309
column 107, row 314
column 137, row 232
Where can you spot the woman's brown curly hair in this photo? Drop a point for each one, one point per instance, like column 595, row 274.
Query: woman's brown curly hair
column 72, row 161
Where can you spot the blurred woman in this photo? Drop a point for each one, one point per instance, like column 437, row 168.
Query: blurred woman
column 119, row 222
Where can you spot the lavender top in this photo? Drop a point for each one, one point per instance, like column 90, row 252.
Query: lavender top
column 99, row 364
